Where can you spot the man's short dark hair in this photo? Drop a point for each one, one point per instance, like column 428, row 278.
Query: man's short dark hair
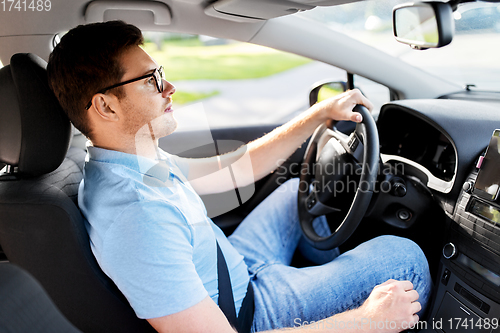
column 86, row 61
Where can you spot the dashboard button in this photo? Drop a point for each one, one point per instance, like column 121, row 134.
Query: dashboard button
column 468, row 186
column 399, row 189
column 450, row 251
column 445, row 277
column 403, row 215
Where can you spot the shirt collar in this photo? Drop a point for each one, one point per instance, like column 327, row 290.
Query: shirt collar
column 160, row 169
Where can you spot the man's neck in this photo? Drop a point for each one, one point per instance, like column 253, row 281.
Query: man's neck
column 143, row 147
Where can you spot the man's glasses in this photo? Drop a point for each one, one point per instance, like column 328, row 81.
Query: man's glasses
column 157, row 75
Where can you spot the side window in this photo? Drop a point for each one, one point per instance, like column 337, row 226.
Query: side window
column 377, row 93
column 222, row 83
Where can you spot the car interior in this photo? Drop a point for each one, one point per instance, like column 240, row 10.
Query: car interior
column 433, row 150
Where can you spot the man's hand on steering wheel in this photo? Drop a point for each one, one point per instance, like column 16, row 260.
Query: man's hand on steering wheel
column 341, row 107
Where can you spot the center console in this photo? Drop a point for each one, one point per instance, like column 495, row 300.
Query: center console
column 467, row 295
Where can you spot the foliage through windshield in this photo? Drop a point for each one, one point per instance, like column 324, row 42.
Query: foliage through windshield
column 471, row 58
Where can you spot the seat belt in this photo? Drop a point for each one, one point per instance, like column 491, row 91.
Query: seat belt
column 243, row 322
column 226, row 299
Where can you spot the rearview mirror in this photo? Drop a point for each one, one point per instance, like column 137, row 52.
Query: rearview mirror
column 423, row 25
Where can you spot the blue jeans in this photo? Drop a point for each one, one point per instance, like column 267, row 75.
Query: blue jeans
column 286, row 296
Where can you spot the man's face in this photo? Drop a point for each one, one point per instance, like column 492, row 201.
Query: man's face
column 143, row 106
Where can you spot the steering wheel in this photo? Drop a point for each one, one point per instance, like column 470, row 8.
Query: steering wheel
column 329, row 154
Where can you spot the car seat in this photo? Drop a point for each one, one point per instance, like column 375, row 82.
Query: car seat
column 25, row 306
column 41, row 227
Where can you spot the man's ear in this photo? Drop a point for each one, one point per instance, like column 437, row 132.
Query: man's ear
column 105, row 106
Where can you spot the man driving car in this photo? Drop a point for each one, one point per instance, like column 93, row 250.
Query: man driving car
column 149, row 230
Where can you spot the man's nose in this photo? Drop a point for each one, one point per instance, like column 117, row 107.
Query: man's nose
column 168, row 89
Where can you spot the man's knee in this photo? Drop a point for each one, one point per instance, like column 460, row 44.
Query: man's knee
column 406, row 260
column 401, row 249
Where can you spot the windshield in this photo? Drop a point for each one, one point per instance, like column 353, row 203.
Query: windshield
column 470, row 59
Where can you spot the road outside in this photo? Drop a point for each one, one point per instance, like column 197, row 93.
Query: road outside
column 267, row 100
column 471, row 58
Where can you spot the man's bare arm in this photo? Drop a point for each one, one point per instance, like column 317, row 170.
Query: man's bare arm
column 391, row 307
column 258, row 158
column 205, row 316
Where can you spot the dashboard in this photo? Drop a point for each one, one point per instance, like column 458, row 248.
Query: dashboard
column 437, row 141
column 419, row 142
column 440, row 142
column 427, row 152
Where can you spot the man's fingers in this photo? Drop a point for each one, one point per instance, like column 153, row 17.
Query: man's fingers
column 412, row 295
column 361, row 99
column 367, row 103
column 358, row 98
column 407, row 285
column 414, row 320
column 356, row 117
column 343, row 105
column 416, row 307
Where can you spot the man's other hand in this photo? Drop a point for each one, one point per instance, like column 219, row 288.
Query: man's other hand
column 393, row 303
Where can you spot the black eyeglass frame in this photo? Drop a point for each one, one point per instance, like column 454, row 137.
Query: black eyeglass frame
column 159, row 85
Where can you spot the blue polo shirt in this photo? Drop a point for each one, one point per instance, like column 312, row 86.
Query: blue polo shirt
column 150, row 233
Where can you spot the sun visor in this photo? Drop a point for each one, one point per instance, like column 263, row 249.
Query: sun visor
column 253, row 10
column 259, row 10
column 144, row 14
column 325, row 2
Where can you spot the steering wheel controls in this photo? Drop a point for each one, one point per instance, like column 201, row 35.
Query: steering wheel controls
column 316, row 207
column 353, row 142
column 311, row 202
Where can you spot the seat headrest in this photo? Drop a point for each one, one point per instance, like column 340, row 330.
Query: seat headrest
column 34, row 130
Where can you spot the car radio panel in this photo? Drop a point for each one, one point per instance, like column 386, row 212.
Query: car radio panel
column 469, row 288
column 484, row 202
column 487, row 185
column 485, row 210
column 479, row 269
